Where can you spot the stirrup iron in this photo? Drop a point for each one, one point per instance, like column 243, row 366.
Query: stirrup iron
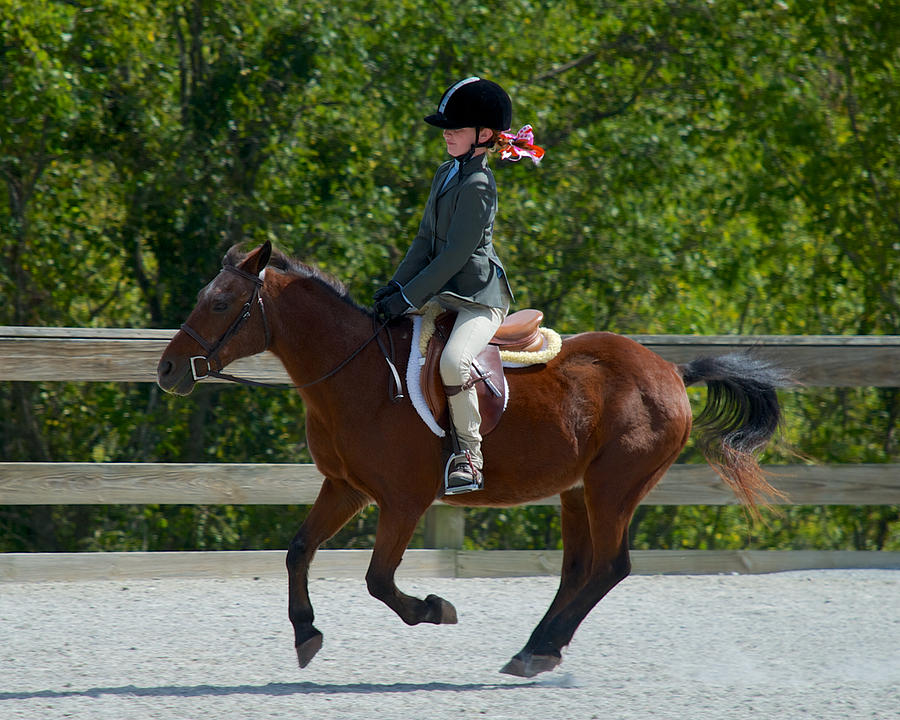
column 477, row 481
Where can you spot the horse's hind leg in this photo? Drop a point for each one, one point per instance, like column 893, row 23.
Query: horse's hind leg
column 612, row 492
column 576, row 569
column 395, row 529
column 336, row 504
column 543, row 651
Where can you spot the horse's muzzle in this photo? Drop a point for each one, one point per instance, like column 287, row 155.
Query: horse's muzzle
column 174, row 377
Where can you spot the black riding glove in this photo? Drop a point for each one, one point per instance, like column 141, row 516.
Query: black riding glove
column 382, row 293
column 392, row 306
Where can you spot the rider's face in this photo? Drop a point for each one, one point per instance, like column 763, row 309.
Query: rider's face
column 459, row 141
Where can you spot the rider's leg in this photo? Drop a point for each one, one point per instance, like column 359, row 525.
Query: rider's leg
column 475, row 326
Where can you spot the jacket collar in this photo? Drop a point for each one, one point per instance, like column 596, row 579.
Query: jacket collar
column 476, row 162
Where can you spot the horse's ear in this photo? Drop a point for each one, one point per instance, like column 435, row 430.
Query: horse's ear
column 264, row 253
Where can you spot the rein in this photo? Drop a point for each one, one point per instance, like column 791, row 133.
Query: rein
column 213, row 349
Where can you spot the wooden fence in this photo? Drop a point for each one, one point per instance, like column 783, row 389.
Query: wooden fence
column 128, row 355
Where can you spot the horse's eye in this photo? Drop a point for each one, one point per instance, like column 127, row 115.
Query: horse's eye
column 219, row 306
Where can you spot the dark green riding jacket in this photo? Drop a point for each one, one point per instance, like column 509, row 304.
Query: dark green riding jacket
column 452, row 251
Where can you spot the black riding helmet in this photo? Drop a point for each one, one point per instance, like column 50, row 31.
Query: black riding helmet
column 473, row 102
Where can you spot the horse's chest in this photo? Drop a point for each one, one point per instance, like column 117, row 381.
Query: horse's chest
column 323, row 447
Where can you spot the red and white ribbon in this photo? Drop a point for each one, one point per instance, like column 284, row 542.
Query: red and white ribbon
column 515, row 147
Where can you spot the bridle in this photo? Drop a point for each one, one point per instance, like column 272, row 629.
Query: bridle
column 213, row 349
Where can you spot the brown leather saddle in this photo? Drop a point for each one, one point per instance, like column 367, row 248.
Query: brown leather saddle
column 519, row 332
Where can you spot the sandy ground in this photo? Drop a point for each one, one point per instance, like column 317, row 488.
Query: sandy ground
column 817, row 644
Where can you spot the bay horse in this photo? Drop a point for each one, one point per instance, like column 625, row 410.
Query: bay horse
column 599, row 425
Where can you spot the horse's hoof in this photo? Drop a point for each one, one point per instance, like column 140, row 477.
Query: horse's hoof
column 307, row 649
column 530, row 665
column 443, row 612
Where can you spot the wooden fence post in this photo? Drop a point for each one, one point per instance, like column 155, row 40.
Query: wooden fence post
column 445, row 527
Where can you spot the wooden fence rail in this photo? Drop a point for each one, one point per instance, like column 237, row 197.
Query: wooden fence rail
column 130, row 355
column 73, row 483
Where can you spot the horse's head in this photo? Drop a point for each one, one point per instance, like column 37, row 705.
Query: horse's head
column 227, row 323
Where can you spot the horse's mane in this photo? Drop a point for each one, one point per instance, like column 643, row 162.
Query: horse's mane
column 290, row 266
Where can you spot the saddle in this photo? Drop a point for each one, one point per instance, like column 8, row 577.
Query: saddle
column 519, row 332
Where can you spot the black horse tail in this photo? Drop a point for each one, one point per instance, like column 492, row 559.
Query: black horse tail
column 741, row 415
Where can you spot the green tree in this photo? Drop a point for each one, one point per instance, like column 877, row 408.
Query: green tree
column 711, row 168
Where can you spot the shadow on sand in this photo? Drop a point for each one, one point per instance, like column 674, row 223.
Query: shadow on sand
column 272, row 689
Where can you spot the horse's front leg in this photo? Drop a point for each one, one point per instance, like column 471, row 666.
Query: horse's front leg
column 395, row 528
column 336, row 504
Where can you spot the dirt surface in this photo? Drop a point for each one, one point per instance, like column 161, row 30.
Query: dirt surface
column 817, row 644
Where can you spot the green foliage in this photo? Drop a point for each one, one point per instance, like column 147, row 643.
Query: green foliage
column 712, row 168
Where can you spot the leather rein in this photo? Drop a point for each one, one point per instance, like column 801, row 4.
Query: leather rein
column 213, row 349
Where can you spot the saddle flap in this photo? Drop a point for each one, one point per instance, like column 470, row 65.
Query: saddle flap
column 490, row 405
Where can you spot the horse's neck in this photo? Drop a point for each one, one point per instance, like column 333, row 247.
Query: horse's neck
column 314, row 329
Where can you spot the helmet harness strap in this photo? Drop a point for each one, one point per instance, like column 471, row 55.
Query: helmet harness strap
column 463, row 159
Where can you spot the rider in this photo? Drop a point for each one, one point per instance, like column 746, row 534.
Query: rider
column 452, row 259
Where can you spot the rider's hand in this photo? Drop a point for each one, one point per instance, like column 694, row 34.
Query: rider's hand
column 392, row 306
column 382, row 293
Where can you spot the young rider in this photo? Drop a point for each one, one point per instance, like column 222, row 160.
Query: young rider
column 452, row 259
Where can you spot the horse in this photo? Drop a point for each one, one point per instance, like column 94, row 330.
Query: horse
column 598, row 425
